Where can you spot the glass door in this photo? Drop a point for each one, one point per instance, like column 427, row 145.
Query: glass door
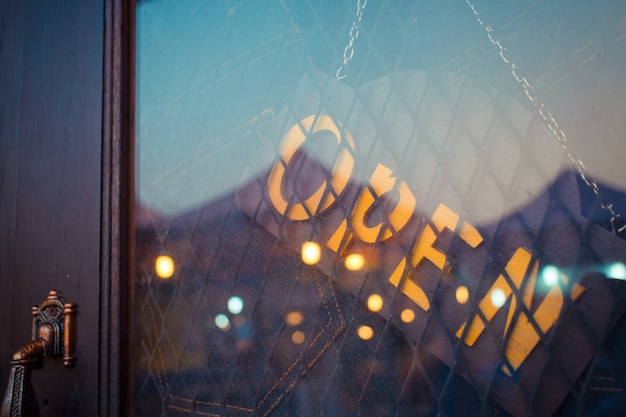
column 376, row 208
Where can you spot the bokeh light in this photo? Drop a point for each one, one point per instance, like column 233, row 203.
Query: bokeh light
column 375, row 303
column 550, row 275
column 311, row 253
column 164, row 266
column 222, row 322
column 616, row 270
column 462, row 294
column 298, row 337
column 294, row 318
column 498, row 298
column 235, row 304
column 407, row 315
column 355, row 262
column 365, row 332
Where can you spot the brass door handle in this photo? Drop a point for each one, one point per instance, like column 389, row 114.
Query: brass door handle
column 53, row 334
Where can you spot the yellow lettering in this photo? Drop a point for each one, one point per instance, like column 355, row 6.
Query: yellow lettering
column 443, row 218
column 381, row 182
column 424, row 249
column 340, row 240
column 516, row 270
column 334, row 243
column 524, row 336
column 321, row 199
column 409, row 287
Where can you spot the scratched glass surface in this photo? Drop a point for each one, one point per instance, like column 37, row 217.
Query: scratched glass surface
column 376, row 207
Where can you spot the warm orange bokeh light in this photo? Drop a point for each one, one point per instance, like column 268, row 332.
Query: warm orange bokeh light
column 355, row 262
column 311, row 253
column 365, row 332
column 164, row 266
column 298, row 337
column 375, row 303
column 407, row 316
column 462, row 294
column 294, row 318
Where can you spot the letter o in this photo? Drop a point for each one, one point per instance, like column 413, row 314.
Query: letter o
column 320, row 200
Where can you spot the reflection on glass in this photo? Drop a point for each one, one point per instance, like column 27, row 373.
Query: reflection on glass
column 462, row 294
column 375, row 303
column 222, row 322
column 430, row 154
column 311, row 253
column 235, row 305
column 407, row 315
column 550, row 275
column 164, row 266
column 355, row 262
column 298, row 337
column 498, row 298
column 365, row 332
column 294, row 318
column 616, row 270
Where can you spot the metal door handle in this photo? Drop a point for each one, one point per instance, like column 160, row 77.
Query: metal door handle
column 53, row 334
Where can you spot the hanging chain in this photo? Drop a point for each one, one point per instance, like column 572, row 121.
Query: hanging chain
column 348, row 51
column 550, row 121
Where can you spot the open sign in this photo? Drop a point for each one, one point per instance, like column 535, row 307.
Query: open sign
column 488, row 301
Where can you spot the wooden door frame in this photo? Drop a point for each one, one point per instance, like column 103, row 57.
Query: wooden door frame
column 116, row 251
column 67, row 124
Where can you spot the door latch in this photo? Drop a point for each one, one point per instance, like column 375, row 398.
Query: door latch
column 53, row 334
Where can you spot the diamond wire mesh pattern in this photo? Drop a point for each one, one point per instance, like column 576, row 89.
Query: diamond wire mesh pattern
column 428, row 95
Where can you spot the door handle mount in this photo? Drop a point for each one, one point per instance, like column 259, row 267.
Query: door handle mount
column 53, row 334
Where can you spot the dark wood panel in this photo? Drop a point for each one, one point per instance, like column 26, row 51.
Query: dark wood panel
column 7, row 251
column 11, row 34
column 52, row 61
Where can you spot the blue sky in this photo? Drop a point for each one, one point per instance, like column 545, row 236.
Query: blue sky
column 212, row 74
